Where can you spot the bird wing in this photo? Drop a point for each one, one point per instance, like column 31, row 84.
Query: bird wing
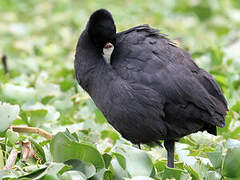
column 142, row 55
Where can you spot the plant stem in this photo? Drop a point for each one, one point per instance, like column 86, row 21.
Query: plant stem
column 35, row 130
column 4, row 62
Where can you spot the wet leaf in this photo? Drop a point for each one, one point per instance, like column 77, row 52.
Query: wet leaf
column 12, row 137
column 8, row 114
column 137, row 162
column 86, row 168
column 74, row 150
column 232, row 163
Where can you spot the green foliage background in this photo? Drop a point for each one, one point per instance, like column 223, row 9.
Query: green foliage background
column 39, row 39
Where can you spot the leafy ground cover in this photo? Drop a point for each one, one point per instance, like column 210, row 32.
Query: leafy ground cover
column 39, row 90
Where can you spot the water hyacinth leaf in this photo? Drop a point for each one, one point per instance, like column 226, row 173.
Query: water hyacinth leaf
column 63, row 105
column 216, row 159
column 138, row 163
column 212, row 175
column 232, row 163
column 39, row 149
column 40, row 114
column 233, row 143
column 201, row 168
column 236, row 107
column 4, row 173
column 86, row 168
column 170, row 173
column 43, row 88
column 141, row 178
column 160, row 165
column 121, row 159
column 192, row 172
column 119, row 172
column 111, row 134
column 37, row 117
column 63, row 149
column 73, row 175
column 18, row 93
column 51, row 170
column 1, row 159
column 12, row 136
column 8, row 113
column 99, row 117
column 107, row 159
column 33, row 171
column 103, row 174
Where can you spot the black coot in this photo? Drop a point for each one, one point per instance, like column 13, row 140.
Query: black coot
column 151, row 90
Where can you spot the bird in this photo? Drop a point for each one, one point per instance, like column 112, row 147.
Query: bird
column 151, row 90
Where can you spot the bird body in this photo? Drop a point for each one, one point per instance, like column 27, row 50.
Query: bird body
column 151, row 90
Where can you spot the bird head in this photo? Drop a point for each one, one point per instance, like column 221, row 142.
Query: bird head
column 101, row 28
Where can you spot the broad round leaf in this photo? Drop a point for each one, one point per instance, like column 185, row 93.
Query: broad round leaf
column 8, row 114
column 138, row 163
column 216, row 158
column 232, row 163
column 12, row 136
column 103, row 174
column 86, row 168
column 63, row 149
column 73, row 175
column 18, row 93
column 170, row 173
column 142, row 178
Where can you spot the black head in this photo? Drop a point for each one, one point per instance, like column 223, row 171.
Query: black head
column 101, row 28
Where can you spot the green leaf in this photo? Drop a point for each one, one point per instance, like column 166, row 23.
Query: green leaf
column 160, row 165
column 233, row 143
column 107, row 159
column 111, row 134
column 1, row 159
column 236, row 107
column 18, row 93
column 99, row 117
column 216, row 159
column 52, row 170
column 4, row 173
column 49, row 177
column 170, row 173
column 73, row 175
column 232, row 163
column 34, row 171
column 121, row 159
column 8, row 114
column 12, row 137
column 103, row 174
column 192, row 172
column 201, row 168
column 212, row 175
column 40, row 113
column 119, row 172
column 138, row 163
column 43, row 172
column 39, row 149
column 37, row 117
column 141, row 178
column 73, row 150
column 86, row 168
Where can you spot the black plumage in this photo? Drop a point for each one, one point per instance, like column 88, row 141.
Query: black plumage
column 152, row 90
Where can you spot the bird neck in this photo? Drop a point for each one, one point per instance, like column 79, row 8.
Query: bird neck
column 90, row 68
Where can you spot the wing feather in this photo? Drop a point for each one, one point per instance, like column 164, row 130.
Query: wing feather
column 143, row 55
